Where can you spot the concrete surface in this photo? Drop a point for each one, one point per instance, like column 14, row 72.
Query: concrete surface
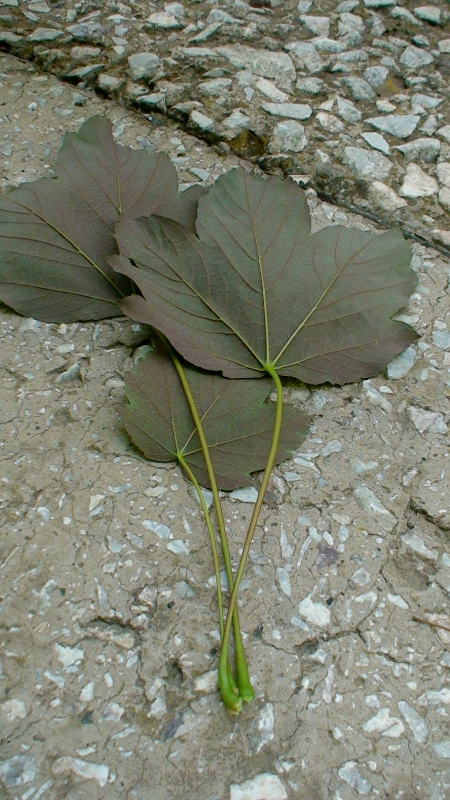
column 109, row 640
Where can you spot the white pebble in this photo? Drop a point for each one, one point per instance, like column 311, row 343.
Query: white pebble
column 350, row 774
column 286, row 549
column 246, row 495
column 369, row 597
column 315, row 613
column 370, row 503
column 112, row 713
column 44, row 512
column 431, row 421
column 63, row 349
column 13, row 709
column 283, row 581
column 372, row 701
column 201, row 120
column 331, row 447
column 95, row 500
column 87, row 692
column 358, row 467
column 434, row 697
column 417, row 544
column 158, row 708
column 155, row 491
column 361, row 577
column 84, row 769
column 69, row 655
column 441, row 339
column 377, row 398
column 178, row 547
column 262, row 787
column 291, row 477
column 383, row 723
column 207, row 683
column 18, row 770
column 396, row 600
column 263, row 728
column 162, row 531
column 418, row 726
column 60, row 682
column 442, row 749
column 183, row 590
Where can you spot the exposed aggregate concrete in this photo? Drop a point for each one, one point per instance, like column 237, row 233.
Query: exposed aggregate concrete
column 297, row 87
column 107, row 609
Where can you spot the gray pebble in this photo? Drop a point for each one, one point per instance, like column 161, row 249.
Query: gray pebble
column 376, row 76
column 359, row 88
column 312, row 86
column 17, row 770
column 306, row 56
column 288, row 136
column 400, row 125
column 45, row 35
column 401, row 364
column 215, row 87
column 431, row 14
column 290, row 110
column 425, row 149
column 367, row 501
column 367, row 164
column 201, row 121
column 402, row 13
column 377, row 141
column 274, row 65
column 108, row 83
column 143, row 65
column 414, row 58
column 91, row 31
column 347, row 110
column 237, row 120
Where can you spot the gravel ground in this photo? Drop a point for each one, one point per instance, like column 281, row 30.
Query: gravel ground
column 109, row 635
column 352, row 96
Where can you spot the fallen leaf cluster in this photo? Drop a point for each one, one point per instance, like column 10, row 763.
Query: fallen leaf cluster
column 239, row 292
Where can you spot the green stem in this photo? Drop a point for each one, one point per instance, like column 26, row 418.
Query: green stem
column 183, row 463
column 231, row 697
column 223, row 661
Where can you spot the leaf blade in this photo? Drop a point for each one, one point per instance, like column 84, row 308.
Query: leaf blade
column 180, row 296
column 115, row 180
column 316, row 306
column 237, row 420
column 56, row 233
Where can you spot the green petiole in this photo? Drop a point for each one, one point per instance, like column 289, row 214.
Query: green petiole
column 233, row 696
column 185, row 466
column 229, row 701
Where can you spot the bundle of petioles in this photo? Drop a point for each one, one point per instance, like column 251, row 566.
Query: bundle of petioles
column 239, row 296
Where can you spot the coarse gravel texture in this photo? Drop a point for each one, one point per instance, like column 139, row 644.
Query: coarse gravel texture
column 109, row 640
column 352, row 96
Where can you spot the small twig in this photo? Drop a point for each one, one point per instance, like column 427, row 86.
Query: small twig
column 433, row 624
